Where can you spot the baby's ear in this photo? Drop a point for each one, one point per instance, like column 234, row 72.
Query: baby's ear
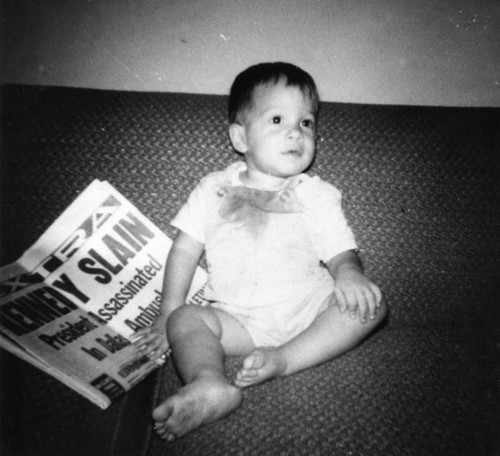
column 238, row 137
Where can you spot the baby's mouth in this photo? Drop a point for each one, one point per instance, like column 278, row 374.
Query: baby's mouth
column 293, row 152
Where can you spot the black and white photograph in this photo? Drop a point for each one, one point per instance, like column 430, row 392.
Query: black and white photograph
column 250, row 228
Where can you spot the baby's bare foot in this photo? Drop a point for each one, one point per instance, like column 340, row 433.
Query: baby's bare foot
column 263, row 363
column 197, row 403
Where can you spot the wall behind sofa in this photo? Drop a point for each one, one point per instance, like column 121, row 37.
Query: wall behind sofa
column 433, row 52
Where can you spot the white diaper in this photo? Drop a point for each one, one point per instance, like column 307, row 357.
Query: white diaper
column 276, row 325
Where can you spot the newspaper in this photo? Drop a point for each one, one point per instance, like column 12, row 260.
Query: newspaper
column 70, row 303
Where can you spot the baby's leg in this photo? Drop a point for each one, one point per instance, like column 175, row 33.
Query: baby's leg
column 199, row 338
column 331, row 334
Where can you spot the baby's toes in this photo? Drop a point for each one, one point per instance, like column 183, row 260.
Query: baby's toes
column 161, row 430
column 250, row 368
column 255, row 360
column 242, row 379
column 246, row 374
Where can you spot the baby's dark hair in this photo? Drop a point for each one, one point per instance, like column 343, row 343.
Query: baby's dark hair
column 243, row 86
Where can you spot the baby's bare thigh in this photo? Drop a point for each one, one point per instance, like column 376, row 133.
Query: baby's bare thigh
column 235, row 338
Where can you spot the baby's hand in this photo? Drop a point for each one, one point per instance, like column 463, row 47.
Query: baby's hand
column 152, row 341
column 354, row 292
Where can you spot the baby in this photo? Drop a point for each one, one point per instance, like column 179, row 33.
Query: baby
column 286, row 288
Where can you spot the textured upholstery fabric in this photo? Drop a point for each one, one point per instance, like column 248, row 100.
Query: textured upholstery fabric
column 421, row 191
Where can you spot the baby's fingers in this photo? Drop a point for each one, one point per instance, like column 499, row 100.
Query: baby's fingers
column 340, row 300
column 139, row 334
column 159, row 351
column 355, row 304
column 374, row 299
column 363, row 308
column 378, row 294
column 142, row 343
column 154, row 347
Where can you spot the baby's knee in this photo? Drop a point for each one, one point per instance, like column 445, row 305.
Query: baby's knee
column 189, row 318
column 364, row 327
column 181, row 320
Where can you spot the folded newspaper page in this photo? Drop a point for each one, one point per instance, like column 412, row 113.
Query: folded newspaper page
column 70, row 303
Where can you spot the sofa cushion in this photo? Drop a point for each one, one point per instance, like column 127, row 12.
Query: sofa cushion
column 421, row 190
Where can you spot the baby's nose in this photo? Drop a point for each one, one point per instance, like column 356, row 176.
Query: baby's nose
column 295, row 131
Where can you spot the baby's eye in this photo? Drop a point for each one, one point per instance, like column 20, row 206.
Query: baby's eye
column 308, row 123
column 276, row 119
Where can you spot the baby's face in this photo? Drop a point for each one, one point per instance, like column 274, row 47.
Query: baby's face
column 279, row 130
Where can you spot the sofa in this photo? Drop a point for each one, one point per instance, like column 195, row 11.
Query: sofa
column 420, row 189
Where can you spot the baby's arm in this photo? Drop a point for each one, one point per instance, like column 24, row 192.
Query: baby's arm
column 353, row 290
column 181, row 265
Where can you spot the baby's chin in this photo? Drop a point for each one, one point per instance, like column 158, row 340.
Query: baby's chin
column 289, row 173
column 299, row 167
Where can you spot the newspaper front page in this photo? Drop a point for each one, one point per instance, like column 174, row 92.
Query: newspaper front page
column 70, row 303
